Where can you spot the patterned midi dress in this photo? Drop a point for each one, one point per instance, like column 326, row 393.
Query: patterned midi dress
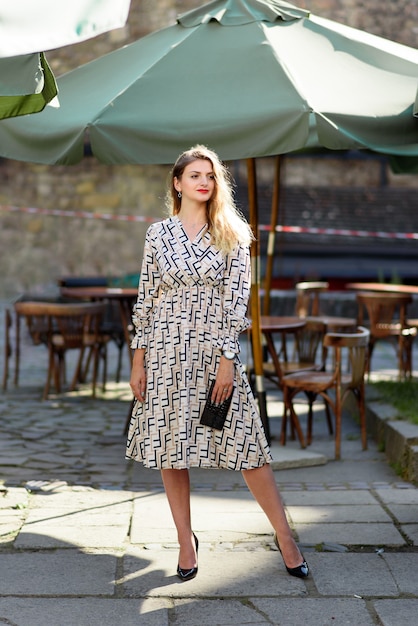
column 192, row 302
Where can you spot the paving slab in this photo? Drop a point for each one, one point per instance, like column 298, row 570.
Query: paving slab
column 337, row 513
column 40, row 536
column 343, row 472
column 84, row 611
column 411, row 531
column 399, row 496
column 397, row 612
column 57, row 573
column 242, row 574
column 219, row 515
column 315, row 611
column 221, row 612
column 403, row 568
column 287, row 457
column 404, row 513
column 356, row 534
column 350, row 574
column 330, row 497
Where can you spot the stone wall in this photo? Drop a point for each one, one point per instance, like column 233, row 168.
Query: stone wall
column 37, row 249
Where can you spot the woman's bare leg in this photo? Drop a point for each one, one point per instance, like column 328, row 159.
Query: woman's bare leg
column 261, row 483
column 177, row 488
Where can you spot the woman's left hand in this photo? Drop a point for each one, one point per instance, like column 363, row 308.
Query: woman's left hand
column 224, row 383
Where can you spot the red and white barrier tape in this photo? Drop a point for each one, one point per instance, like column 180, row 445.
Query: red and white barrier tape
column 264, row 227
column 340, row 231
column 78, row 214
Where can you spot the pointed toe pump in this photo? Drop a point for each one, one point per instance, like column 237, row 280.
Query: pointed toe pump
column 300, row 571
column 188, row 574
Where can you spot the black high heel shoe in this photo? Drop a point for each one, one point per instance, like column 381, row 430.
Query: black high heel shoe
column 301, row 571
column 188, row 574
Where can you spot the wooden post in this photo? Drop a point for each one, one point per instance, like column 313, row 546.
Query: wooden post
column 275, row 204
column 255, row 297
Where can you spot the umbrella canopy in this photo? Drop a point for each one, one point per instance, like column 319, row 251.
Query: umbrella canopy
column 246, row 77
column 27, row 83
column 27, row 26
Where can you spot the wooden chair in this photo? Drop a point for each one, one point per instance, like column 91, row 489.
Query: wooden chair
column 307, row 297
column 387, row 319
column 7, row 347
column 307, row 340
column 307, row 357
column 37, row 324
column 63, row 327
column 315, row 384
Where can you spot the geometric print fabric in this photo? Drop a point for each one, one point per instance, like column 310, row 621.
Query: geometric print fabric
column 192, row 303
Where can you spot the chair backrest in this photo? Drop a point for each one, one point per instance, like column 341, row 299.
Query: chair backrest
column 356, row 345
column 307, row 297
column 384, row 310
column 76, row 325
column 307, row 341
column 37, row 320
column 67, row 324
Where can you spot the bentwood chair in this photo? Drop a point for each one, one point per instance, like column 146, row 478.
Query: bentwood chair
column 37, row 324
column 63, row 327
column 306, row 343
column 307, row 357
column 308, row 297
column 387, row 319
column 333, row 386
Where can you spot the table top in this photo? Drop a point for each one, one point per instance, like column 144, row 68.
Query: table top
column 383, row 287
column 100, row 292
column 281, row 323
column 333, row 321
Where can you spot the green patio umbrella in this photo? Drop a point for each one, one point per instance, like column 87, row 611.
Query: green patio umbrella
column 27, row 83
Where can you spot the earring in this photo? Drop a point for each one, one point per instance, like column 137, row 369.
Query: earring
column 179, row 194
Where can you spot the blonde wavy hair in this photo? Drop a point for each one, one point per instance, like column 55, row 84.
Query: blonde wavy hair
column 227, row 226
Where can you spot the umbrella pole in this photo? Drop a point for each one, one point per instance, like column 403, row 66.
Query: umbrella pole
column 275, row 203
column 255, row 298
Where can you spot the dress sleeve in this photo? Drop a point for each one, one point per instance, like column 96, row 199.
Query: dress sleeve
column 147, row 293
column 237, row 283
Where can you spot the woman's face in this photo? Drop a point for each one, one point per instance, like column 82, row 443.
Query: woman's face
column 197, row 182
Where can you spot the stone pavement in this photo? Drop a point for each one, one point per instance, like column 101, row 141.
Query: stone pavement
column 86, row 538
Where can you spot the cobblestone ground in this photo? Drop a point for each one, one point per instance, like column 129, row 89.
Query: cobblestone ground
column 80, row 439
column 88, row 537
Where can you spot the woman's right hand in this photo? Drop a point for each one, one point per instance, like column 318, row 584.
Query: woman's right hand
column 138, row 380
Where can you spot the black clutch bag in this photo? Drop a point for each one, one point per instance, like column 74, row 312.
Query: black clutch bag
column 213, row 414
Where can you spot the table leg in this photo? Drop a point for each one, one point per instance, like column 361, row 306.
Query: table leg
column 293, row 417
column 7, row 347
column 125, row 315
column 17, row 350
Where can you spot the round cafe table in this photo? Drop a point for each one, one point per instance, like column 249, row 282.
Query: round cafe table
column 385, row 287
column 335, row 324
column 281, row 323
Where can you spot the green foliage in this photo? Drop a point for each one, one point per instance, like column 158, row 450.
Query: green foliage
column 402, row 395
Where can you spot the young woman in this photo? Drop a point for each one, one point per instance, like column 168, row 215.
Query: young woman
column 191, row 308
